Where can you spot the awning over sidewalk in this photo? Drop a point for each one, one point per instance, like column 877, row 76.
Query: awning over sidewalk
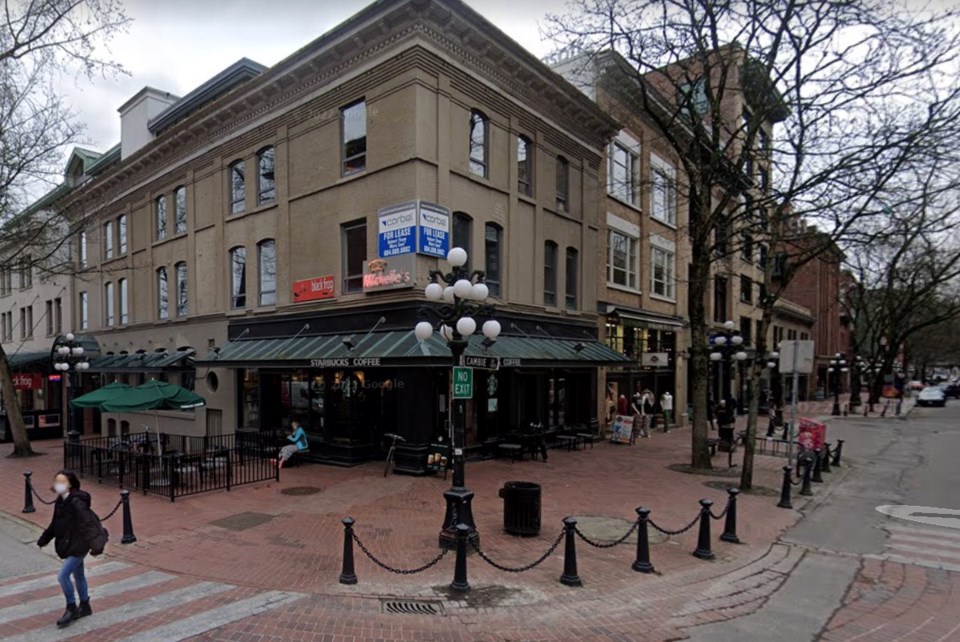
column 143, row 361
column 652, row 320
column 22, row 360
column 401, row 348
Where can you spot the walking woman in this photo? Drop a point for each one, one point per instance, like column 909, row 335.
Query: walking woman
column 76, row 532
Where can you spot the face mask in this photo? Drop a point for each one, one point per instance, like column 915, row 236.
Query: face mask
column 61, row 489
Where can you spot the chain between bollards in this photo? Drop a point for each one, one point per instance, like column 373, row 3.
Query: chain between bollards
column 28, row 506
column 730, row 524
column 703, row 541
column 836, row 453
column 642, row 563
column 570, row 576
column 460, row 568
column 785, row 488
column 347, row 573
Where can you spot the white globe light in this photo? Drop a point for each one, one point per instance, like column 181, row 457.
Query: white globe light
column 774, row 355
column 64, row 350
column 729, row 325
column 423, row 330
column 771, row 364
column 466, row 326
column 64, row 366
column 457, row 257
column 434, row 291
column 736, row 339
column 844, row 369
column 448, row 294
column 480, row 292
column 463, row 288
column 78, row 350
column 491, row 329
column 83, row 365
column 715, row 356
column 446, row 332
column 720, row 341
column 741, row 356
column 70, row 336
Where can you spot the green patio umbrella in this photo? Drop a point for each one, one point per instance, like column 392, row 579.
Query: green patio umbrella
column 100, row 396
column 153, row 395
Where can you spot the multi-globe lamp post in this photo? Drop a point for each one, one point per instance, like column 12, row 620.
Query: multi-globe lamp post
column 462, row 296
column 837, row 365
column 726, row 344
column 776, row 391
column 68, row 358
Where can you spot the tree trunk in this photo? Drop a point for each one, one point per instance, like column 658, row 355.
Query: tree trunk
column 756, row 372
column 699, row 362
column 21, row 442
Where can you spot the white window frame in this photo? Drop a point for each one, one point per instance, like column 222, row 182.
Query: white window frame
column 665, row 251
column 663, row 191
column 628, row 193
column 617, row 225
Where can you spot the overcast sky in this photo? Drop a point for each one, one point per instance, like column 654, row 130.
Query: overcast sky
column 175, row 45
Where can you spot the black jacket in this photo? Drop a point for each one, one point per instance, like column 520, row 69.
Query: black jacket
column 73, row 525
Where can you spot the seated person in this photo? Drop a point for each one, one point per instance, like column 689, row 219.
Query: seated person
column 299, row 442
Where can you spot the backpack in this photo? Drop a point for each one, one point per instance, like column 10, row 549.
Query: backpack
column 99, row 542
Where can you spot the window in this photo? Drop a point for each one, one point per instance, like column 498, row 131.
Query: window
column 48, row 315
column 662, row 277
column 746, row 325
column 84, row 311
column 804, row 336
column 108, row 305
column 746, row 247
column 623, row 166
column 762, row 256
column 492, row 245
column 183, row 300
column 719, row 299
column 26, row 322
column 26, row 272
column 108, row 240
column 623, row 253
column 663, row 191
column 549, row 273
column 238, row 277
column 479, row 131
column 353, row 138
column 160, row 217
column 83, row 250
column 238, row 188
column 573, row 267
column 720, row 236
column 525, row 165
column 124, row 306
column 463, row 233
column 693, row 94
column 563, row 184
column 163, row 294
column 6, row 326
column 761, row 294
column 791, row 335
column 266, row 183
column 6, row 282
column 180, row 210
column 746, row 289
column 267, row 263
column 354, row 242
column 122, row 234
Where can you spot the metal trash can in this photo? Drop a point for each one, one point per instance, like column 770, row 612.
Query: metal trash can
column 521, row 508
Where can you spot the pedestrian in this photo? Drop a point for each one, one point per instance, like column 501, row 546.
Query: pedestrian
column 76, row 531
column 299, row 443
column 622, row 405
column 637, row 426
column 649, row 412
column 666, row 403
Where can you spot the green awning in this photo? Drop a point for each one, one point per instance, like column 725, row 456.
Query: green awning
column 96, row 398
column 401, row 348
column 26, row 359
column 143, row 361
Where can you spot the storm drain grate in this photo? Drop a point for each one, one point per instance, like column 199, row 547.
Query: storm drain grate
column 410, row 607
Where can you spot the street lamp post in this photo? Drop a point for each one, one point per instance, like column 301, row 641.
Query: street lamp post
column 726, row 345
column 776, row 392
column 837, row 365
column 462, row 298
column 68, row 358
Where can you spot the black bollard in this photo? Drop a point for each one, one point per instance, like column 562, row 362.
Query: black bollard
column 817, row 461
column 730, row 523
column 27, row 493
column 128, row 536
column 347, row 574
column 460, row 569
column 642, row 563
column 836, row 453
column 785, row 489
column 570, row 577
column 703, row 541
column 825, row 464
column 805, row 490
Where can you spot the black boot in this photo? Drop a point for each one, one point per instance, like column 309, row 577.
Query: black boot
column 68, row 616
column 83, row 610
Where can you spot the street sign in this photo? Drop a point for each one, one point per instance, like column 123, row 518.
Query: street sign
column 462, row 383
column 484, row 363
column 796, row 357
column 396, row 230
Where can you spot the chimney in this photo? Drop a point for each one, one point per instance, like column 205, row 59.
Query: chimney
column 136, row 113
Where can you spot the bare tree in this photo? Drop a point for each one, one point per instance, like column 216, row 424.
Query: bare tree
column 39, row 43
column 856, row 89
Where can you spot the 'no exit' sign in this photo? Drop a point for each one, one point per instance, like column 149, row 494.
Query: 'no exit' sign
column 462, row 383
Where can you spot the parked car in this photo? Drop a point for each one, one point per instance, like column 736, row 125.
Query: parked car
column 950, row 390
column 932, row 396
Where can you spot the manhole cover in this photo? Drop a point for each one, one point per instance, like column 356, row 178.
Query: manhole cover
column 410, row 607
column 300, row 490
column 242, row 521
column 711, row 472
column 605, row 530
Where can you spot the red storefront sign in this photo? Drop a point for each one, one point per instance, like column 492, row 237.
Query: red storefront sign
column 314, row 289
column 22, row 381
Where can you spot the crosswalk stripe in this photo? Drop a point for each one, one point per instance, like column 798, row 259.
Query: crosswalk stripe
column 941, row 533
column 125, row 613
column 901, row 559
column 45, row 581
column 44, row 605
column 220, row 616
column 929, row 552
column 925, row 541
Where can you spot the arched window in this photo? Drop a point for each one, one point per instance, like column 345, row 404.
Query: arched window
column 108, row 304
column 163, row 297
column 160, row 217
column 479, row 148
column 563, row 184
column 267, row 269
column 124, row 302
column 493, row 253
column 180, row 210
column 238, row 188
column 238, row 277
column 549, row 273
column 266, row 184
column 122, row 234
column 462, row 233
column 525, row 165
column 183, row 304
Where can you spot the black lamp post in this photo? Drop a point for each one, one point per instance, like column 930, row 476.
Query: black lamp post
column 463, row 299
column 726, row 345
column 858, row 367
column 837, row 365
column 776, row 392
column 68, row 358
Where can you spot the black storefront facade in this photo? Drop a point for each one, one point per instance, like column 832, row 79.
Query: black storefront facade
column 351, row 377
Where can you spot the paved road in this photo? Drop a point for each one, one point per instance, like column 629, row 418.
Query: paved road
column 866, row 575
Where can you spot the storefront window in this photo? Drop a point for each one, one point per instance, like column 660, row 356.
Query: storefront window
column 249, row 398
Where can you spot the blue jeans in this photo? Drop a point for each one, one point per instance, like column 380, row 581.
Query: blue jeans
column 73, row 566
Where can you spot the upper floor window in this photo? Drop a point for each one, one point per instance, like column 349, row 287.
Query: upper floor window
column 746, row 247
column 746, row 288
column 493, row 249
column 180, row 210
column 692, row 96
column 266, row 180
column 267, row 264
column 663, row 191
column 238, row 188
column 160, row 217
column 549, row 273
column 122, row 234
column 353, row 138
column 462, row 234
column 163, row 294
column 762, row 256
column 720, row 299
column 48, row 315
column 623, row 168
column 124, row 302
column 525, row 165
column 83, row 250
column 26, row 322
column 354, row 248
column 183, row 303
column 563, row 184
column 84, row 305
column 108, row 240
column 662, row 272
column 479, row 152
column 6, row 281
column 26, row 272
column 238, row 277
column 573, row 271
column 108, row 304
column 623, row 253
column 746, row 330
